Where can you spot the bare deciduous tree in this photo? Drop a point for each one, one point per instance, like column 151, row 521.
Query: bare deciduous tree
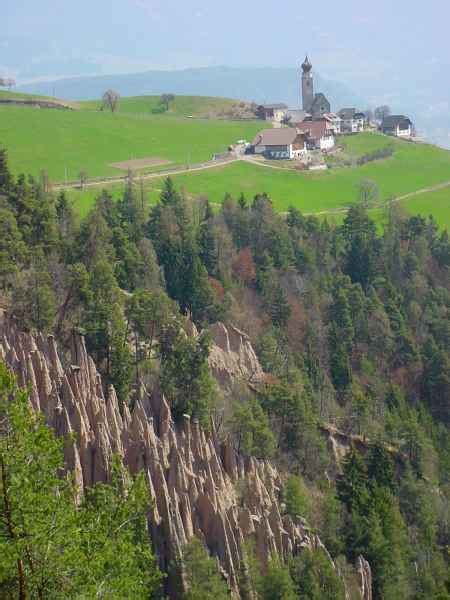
column 381, row 112
column 368, row 192
column 45, row 181
column 111, row 100
column 7, row 82
column 166, row 99
column 369, row 115
column 83, row 179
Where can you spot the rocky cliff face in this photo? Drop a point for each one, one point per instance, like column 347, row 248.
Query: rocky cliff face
column 232, row 357
column 200, row 486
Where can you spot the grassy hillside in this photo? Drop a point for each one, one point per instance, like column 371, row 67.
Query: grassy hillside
column 412, row 167
column 91, row 140
column 88, row 139
column 198, row 106
column 431, row 203
column 365, row 143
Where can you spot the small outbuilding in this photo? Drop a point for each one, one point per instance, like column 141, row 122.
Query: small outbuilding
column 352, row 120
column 272, row 112
column 397, row 125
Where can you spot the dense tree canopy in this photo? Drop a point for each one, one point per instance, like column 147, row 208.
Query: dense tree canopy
column 349, row 323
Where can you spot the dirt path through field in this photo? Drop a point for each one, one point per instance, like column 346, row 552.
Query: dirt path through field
column 212, row 164
column 433, row 188
column 215, row 164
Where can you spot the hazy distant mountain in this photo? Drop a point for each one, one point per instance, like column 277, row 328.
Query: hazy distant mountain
column 262, row 84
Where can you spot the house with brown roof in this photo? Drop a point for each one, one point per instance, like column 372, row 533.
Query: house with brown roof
column 282, row 143
column 318, row 134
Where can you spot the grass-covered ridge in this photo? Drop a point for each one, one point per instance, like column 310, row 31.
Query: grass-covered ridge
column 87, row 139
column 197, row 106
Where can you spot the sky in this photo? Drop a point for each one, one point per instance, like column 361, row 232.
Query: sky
column 349, row 38
column 382, row 48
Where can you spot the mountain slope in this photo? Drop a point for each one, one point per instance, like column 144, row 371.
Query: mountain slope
column 260, row 84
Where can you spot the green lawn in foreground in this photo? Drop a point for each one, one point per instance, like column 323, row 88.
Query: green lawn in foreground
column 53, row 139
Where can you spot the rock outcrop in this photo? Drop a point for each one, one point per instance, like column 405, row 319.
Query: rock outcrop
column 232, row 357
column 200, row 486
column 340, row 443
column 365, row 578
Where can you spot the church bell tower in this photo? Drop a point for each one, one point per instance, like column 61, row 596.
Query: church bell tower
column 307, row 85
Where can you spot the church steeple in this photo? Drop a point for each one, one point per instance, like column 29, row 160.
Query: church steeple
column 306, row 65
column 307, row 87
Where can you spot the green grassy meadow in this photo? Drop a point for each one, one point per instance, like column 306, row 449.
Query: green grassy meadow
column 57, row 140
column 435, row 203
column 364, row 143
column 412, row 167
column 67, row 142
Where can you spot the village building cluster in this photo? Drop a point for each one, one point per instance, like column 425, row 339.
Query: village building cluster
column 295, row 133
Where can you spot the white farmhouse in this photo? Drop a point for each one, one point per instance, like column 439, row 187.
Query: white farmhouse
column 397, row 125
column 283, row 143
column 352, row 121
column 334, row 122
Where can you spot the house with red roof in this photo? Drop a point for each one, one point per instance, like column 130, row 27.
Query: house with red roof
column 318, row 134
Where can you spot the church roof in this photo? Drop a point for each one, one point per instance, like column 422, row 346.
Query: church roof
column 319, row 97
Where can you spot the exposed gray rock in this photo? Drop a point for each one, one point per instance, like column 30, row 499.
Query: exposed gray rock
column 365, row 578
column 193, row 478
column 232, row 357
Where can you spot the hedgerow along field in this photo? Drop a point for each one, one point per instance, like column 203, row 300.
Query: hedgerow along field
column 64, row 143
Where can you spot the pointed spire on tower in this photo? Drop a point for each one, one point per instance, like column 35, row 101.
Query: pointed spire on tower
column 306, row 65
